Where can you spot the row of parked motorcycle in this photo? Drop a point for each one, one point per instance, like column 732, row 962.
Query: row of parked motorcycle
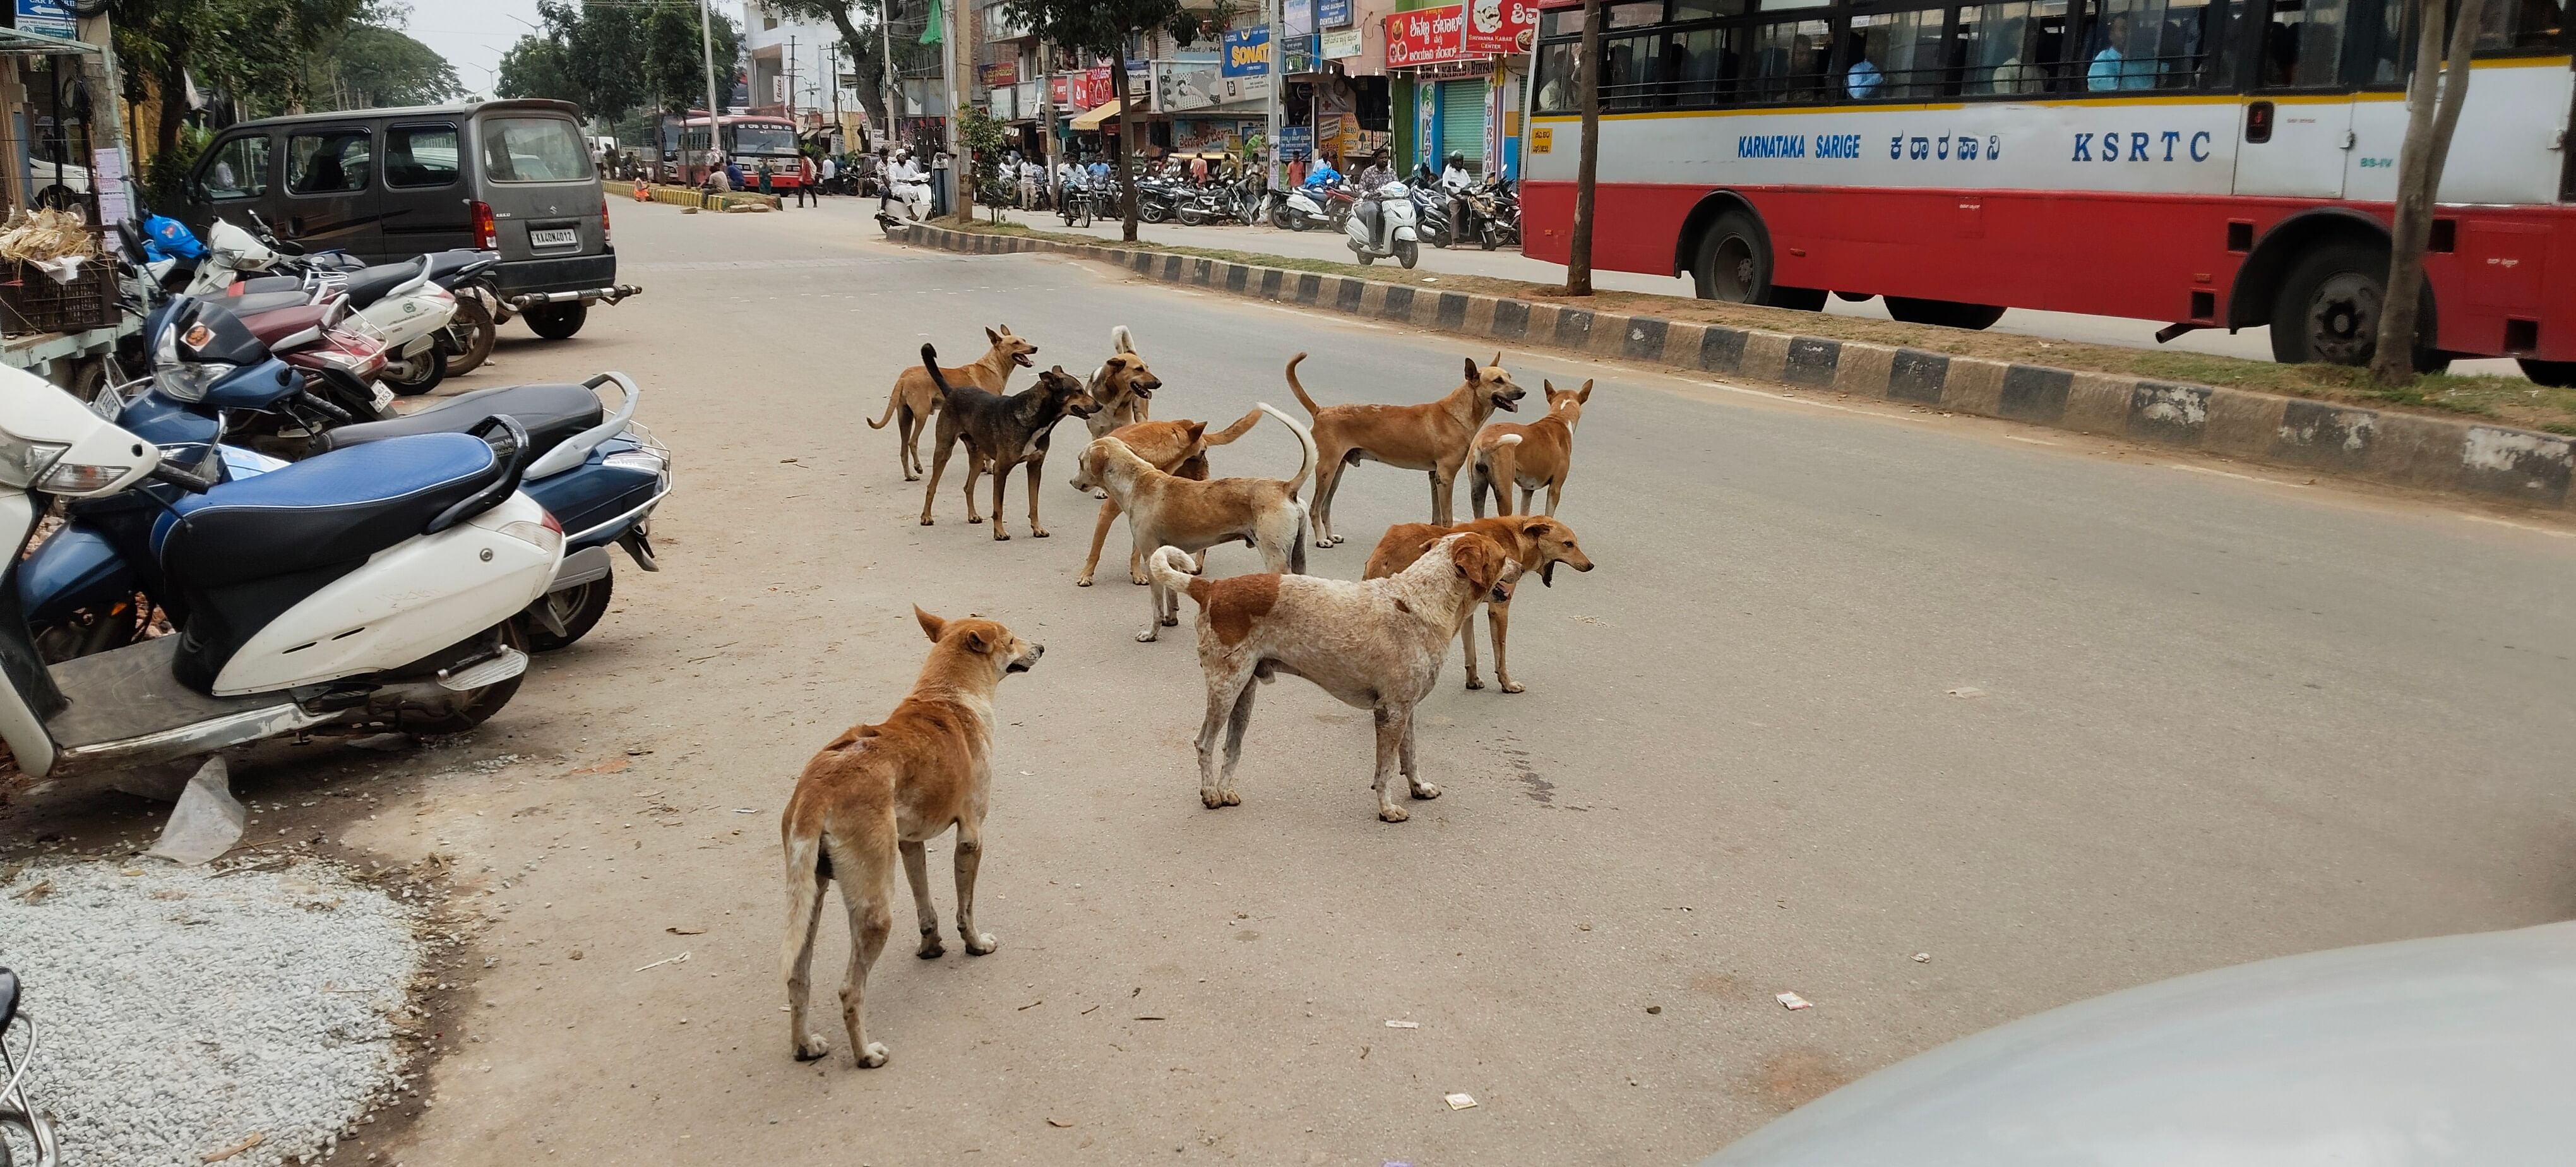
column 1493, row 212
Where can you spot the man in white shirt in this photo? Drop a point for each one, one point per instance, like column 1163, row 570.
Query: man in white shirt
column 1456, row 181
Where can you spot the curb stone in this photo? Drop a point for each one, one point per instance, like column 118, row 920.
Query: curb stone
column 2496, row 463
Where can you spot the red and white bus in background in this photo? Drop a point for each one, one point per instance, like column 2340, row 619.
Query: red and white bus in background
column 749, row 139
column 2210, row 163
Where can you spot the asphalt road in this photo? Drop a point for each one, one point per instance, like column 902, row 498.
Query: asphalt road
column 1850, row 685
column 2252, row 344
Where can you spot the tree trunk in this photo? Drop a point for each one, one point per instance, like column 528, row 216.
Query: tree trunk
column 1126, row 144
column 2419, row 179
column 1587, row 78
column 855, row 43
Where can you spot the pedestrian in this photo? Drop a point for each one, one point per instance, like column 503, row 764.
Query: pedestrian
column 766, row 175
column 805, row 196
column 831, row 171
column 1028, row 184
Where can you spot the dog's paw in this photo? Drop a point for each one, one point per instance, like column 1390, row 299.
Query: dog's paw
column 1337, row 541
column 1512, row 687
column 912, row 478
column 1475, row 682
column 930, row 522
column 976, row 520
column 1138, row 580
column 1148, row 636
column 1001, row 536
column 1425, row 791
column 1229, row 797
column 811, row 1046
column 1324, row 542
column 874, row 1056
column 1040, row 533
column 931, row 948
column 1211, row 797
column 1392, row 814
column 1171, row 621
column 1082, row 581
column 981, row 943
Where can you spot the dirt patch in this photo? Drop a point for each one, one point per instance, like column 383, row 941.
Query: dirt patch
column 1796, row 1076
column 2507, row 400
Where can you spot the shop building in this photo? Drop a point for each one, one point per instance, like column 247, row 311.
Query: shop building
column 1461, row 70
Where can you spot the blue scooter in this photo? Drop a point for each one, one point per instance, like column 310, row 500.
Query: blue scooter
column 88, row 588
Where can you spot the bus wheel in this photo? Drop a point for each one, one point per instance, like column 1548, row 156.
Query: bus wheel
column 1943, row 312
column 1734, row 261
column 2555, row 374
column 2329, row 306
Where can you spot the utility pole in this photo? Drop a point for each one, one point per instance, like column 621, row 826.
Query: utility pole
column 791, row 80
column 1046, row 102
column 893, row 80
column 948, row 65
column 707, row 47
column 1273, row 107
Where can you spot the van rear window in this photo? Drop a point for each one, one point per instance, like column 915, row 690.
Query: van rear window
column 533, row 150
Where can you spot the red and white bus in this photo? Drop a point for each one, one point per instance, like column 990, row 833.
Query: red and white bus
column 749, row 139
column 2205, row 163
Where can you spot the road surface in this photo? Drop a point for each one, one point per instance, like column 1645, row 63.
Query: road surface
column 1850, row 685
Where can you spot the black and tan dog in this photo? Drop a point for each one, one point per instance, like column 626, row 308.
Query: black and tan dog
column 1000, row 432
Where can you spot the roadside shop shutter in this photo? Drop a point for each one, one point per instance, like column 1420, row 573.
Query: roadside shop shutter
column 1462, row 120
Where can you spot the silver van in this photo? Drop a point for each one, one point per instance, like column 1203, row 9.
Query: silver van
column 511, row 176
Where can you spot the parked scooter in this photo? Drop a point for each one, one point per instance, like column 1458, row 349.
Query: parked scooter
column 1301, row 209
column 1430, row 209
column 1498, row 214
column 359, row 590
column 1381, row 226
column 16, row 1110
column 594, row 471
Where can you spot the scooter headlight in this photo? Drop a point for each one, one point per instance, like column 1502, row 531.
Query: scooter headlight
column 183, row 380
column 23, row 462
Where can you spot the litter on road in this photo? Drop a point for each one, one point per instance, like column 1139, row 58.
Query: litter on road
column 1404, row 1025
column 1461, row 1101
column 1794, row 1001
column 665, row 960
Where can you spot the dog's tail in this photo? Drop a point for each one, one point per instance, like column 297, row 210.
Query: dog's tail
column 1165, row 567
column 1119, row 341
column 1241, row 426
column 1312, row 409
column 930, row 362
column 1305, row 443
column 894, row 397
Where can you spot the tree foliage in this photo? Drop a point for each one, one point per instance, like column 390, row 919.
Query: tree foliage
column 370, row 62
column 862, row 25
column 614, row 57
column 1089, row 29
column 260, row 55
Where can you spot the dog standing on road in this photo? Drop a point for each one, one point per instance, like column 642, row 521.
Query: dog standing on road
column 1433, row 436
column 1164, row 509
column 1001, row 432
column 914, row 398
column 1536, row 543
column 879, row 789
column 1527, row 456
column 1177, row 447
column 1374, row 644
column 1122, row 385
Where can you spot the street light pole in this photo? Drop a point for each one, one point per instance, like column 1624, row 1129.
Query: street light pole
column 707, row 47
column 948, row 63
column 1273, row 107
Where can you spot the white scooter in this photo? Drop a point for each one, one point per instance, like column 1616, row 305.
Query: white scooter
column 406, row 319
column 1297, row 210
column 1382, row 226
column 362, row 590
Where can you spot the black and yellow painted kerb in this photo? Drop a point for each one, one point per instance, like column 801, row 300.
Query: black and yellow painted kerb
column 2404, row 449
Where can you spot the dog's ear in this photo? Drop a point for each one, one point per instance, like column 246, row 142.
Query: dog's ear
column 1584, row 393
column 1497, row 362
column 1473, row 373
column 931, row 626
column 978, row 643
column 1547, row 387
column 1537, row 528
column 1198, row 430
column 1478, row 560
column 996, row 337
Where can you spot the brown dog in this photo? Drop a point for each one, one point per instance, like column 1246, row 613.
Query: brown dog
column 914, row 398
column 1536, row 543
column 1123, row 386
column 1544, row 456
column 1375, row 645
column 1178, row 448
column 1433, row 436
column 1164, row 509
column 999, row 432
column 877, row 789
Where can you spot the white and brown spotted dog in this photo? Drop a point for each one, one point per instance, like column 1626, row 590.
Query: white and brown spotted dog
column 881, row 789
column 1373, row 644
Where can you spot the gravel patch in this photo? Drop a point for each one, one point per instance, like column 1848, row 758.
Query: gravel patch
column 182, row 1010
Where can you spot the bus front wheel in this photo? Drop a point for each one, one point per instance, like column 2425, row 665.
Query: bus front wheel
column 1735, row 266
column 2330, row 306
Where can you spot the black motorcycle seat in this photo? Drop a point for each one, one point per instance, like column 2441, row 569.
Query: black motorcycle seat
column 369, row 284
column 254, row 303
column 445, row 266
column 8, row 998
column 328, row 509
column 551, row 413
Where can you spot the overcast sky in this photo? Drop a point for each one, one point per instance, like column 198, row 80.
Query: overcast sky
column 472, row 34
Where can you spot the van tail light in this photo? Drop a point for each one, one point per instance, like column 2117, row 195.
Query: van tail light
column 487, row 232
column 603, row 223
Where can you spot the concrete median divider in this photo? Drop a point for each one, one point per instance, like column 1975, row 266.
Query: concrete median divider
column 2497, row 463
column 689, row 196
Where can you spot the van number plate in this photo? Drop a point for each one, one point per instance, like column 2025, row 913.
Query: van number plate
column 558, row 237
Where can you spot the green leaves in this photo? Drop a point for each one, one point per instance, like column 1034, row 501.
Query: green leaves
column 613, row 57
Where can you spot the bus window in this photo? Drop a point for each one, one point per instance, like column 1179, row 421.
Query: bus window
column 2303, row 44
column 2519, row 26
column 1634, row 15
column 2156, row 44
column 1556, row 91
column 1628, row 71
column 1788, row 62
column 1893, row 54
column 1698, row 69
column 1691, row 11
column 2003, row 46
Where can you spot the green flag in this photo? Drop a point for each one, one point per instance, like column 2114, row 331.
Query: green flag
column 930, row 30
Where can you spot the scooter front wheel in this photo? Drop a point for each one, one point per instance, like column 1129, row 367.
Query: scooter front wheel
column 1407, row 252
column 474, row 328
column 418, row 375
column 578, row 608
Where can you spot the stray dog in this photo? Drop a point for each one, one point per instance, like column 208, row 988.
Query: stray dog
column 1375, row 645
column 1536, row 543
column 1001, row 432
column 1543, row 456
column 896, row 785
column 1178, row 448
column 914, row 398
column 1194, row 516
column 1123, row 386
column 1434, row 436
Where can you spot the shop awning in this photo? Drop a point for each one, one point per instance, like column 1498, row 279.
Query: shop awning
column 1091, row 118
